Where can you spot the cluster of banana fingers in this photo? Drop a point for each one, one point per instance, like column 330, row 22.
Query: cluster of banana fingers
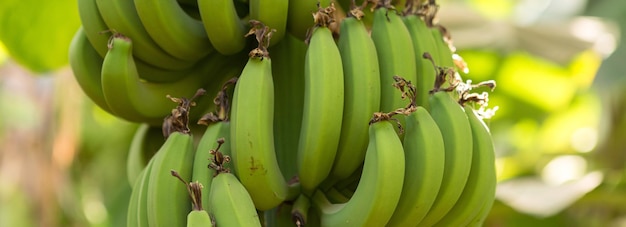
column 325, row 122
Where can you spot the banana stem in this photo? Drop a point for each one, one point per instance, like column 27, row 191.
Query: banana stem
column 300, row 210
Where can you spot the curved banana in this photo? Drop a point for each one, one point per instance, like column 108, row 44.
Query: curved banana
column 457, row 139
column 93, row 25
column 299, row 19
column 121, row 16
column 323, row 106
column 361, row 94
column 422, row 42
column 287, row 68
column 425, row 158
column 222, row 25
column 395, row 55
column 272, row 13
column 217, row 131
column 380, row 187
column 481, row 182
column 173, row 29
column 252, row 135
column 230, row 203
column 86, row 65
column 135, row 100
column 168, row 204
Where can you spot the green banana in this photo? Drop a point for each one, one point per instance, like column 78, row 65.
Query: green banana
column 252, row 142
column 86, row 65
column 380, row 187
column 132, row 99
column 323, row 106
column 361, row 94
column 425, row 158
column 394, row 47
column 222, row 25
column 273, row 13
column 93, row 25
column 174, row 30
column 457, row 138
column 121, row 16
column 230, row 203
column 287, row 68
column 218, row 128
column 482, row 176
column 422, row 42
column 167, row 203
column 146, row 141
column 299, row 19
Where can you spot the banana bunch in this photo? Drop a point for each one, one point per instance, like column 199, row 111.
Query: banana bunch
column 358, row 116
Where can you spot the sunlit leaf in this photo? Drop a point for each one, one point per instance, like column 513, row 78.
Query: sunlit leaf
column 496, row 9
column 584, row 68
column 37, row 33
column 536, row 81
column 559, row 130
column 482, row 64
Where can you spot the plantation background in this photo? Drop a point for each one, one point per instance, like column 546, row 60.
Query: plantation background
column 560, row 130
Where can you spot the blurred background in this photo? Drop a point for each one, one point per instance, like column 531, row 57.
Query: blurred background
column 560, row 127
